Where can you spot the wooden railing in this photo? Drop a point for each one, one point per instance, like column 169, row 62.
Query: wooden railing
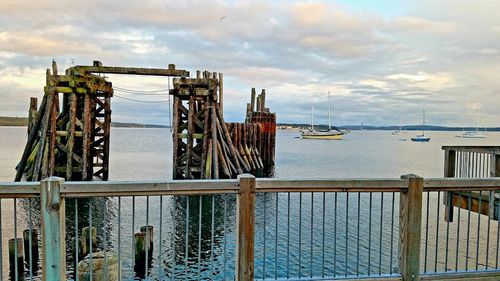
column 54, row 191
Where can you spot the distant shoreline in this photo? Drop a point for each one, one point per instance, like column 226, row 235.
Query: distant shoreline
column 23, row 122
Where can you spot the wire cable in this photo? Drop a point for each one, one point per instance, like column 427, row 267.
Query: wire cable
column 143, row 101
column 140, row 91
column 141, row 94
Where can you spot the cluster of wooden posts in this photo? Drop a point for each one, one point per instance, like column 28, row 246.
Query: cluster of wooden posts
column 68, row 137
column 20, row 251
column 204, row 145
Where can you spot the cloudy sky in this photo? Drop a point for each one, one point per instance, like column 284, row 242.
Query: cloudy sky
column 382, row 61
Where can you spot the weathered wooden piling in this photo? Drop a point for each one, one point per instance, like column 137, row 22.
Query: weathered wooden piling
column 31, row 238
column 16, row 257
column 140, row 248
column 148, row 230
column 88, row 235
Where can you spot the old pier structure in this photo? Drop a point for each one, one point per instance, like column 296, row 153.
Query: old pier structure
column 69, row 134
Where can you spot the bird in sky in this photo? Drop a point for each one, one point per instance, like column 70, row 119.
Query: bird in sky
column 222, row 18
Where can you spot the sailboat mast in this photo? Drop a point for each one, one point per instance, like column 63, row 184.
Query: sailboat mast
column 329, row 113
column 423, row 127
column 312, row 118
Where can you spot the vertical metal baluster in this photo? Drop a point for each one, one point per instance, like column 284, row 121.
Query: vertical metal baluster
column 30, row 251
column 288, row 239
column 264, row 237
column 346, row 234
column 276, row 241
column 225, row 233
column 478, row 228
column 16, row 266
column 300, row 235
column 426, row 231
column 186, row 241
column 323, row 238
column 392, row 232
column 381, row 223
column 76, row 237
column 160, row 240
column 312, row 233
column 146, row 272
column 335, row 238
column 174, row 237
column 437, row 232
column 491, row 196
column 119, row 238
column 447, row 239
column 200, row 207
column 105, row 238
column 90, row 238
column 357, row 242
column 1, row 239
column 133, row 229
column 370, row 234
column 458, row 229
column 469, row 204
column 212, row 238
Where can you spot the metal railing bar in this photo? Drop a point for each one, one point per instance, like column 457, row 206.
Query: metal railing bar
column 469, row 204
column 160, row 241
column 200, row 209
column 119, row 237
column 323, row 237
column 212, row 239
column 458, row 231
column 426, row 246
column 381, row 224
column 392, row 232
column 276, row 238
column 347, row 234
column 335, row 237
column 225, row 235
column 30, row 251
column 76, row 238
column 370, row 233
column 312, row 236
column 437, row 232
column 146, row 257
column 16, row 255
column 288, row 239
column 300, row 235
column 264, row 238
column 186, row 241
column 357, row 233
column 478, row 230
column 91, row 242
column 133, row 229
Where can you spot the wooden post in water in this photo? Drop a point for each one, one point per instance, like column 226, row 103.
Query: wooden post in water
column 449, row 172
column 52, row 210
column 140, row 254
column 410, row 222
column 88, row 235
column 149, row 239
column 32, row 113
column 31, row 253
column 245, row 228
column 16, row 258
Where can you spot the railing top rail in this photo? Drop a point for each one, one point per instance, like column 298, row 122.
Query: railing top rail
column 19, row 189
column 200, row 187
column 331, row 185
column 134, row 188
column 473, row 148
column 461, row 184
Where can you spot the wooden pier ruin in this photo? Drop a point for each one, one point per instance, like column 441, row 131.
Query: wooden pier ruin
column 68, row 136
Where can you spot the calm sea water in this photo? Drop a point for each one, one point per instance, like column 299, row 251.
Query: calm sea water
column 145, row 154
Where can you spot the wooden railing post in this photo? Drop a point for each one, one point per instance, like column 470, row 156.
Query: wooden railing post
column 52, row 211
column 449, row 172
column 410, row 221
column 245, row 228
column 494, row 211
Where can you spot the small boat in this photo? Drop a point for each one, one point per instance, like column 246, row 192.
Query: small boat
column 332, row 133
column 422, row 137
column 472, row 135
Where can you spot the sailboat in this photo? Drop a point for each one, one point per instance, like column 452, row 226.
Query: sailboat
column 332, row 133
column 473, row 134
column 422, row 137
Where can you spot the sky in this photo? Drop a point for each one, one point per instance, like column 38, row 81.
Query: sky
column 383, row 62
